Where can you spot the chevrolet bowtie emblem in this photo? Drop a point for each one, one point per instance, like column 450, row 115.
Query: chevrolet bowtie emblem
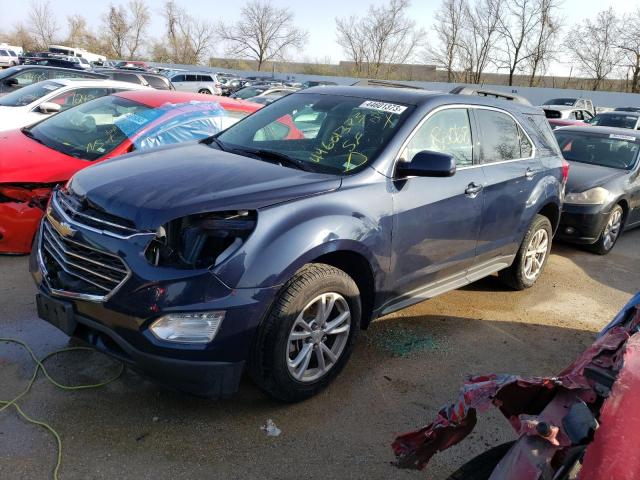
column 63, row 228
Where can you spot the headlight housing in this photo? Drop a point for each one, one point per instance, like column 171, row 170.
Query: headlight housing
column 202, row 240
column 594, row 196
column 195, row 327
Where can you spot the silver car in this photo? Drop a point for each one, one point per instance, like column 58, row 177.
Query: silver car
column 200, row 82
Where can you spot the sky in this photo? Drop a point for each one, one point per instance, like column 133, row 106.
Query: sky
column 315, row 16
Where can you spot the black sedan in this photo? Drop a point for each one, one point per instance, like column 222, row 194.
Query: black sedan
column 603, row 191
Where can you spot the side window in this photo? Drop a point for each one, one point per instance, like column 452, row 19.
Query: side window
column 191, row 78
column 124, row 77
column 587, row 115
column 156, row 82
column 448, row 131
column 500, row 136
column 526, row 149
column 578, row 115
column 178, row 78
column 30, row 76
column 76, row 97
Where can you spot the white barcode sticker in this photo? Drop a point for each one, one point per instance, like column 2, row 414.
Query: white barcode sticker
column 623, row 137
column 383, row 107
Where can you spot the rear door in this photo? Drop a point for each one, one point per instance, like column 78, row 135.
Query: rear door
column 179, row 81
column 511, row 171
column 437, row 220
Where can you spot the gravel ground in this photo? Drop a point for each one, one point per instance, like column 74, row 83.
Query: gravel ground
column 406, row 366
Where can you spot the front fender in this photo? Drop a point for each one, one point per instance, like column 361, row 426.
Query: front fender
column 289, row 235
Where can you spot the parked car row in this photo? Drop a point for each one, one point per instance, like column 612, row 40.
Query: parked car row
column 198, row 237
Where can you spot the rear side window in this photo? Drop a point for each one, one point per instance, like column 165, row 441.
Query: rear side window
column 123, row 77
column 448, row 131
column 542, row 134
column 157, row 82
column 191, row 78
column 501, row 137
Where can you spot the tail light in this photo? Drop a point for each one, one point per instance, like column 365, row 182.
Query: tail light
column 565, row 171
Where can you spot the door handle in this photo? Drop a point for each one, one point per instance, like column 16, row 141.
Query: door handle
column 530, row 173
column 473, row 189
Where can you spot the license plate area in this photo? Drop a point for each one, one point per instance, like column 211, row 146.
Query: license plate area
column 57, row 313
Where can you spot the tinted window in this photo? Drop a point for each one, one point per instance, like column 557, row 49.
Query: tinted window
column 123, row 77
column 616, row 151
column 206, row 78
column 540, row 130
column 615, row 120
column 191, row 78
column 12, row 53
column 79, row 96
column 29, row 94
column 561, row 101
column 500, row 136
column 448, row 131
column 157, row 82
column 4, row 53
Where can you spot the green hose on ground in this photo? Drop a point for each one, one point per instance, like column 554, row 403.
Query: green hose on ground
column 5, row 404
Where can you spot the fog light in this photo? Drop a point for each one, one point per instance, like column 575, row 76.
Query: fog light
column 569, row 230
column 194, row 327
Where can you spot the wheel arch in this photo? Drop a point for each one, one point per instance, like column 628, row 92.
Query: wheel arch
column 551, row 210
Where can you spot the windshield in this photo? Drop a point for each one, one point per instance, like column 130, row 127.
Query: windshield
column 30, row 94
column 615, row 151
column 568, row 102
column 615, row 120
column 330, row 133
column 94, row 129
column 248, row 93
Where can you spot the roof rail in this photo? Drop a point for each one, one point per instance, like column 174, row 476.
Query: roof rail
column 383, row 83
column 481, row 92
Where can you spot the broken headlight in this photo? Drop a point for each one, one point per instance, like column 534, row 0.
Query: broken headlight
column 200, row 241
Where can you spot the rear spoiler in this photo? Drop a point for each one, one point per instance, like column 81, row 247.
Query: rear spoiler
column 481, row 92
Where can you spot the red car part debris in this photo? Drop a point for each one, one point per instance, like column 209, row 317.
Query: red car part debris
column 549, row 413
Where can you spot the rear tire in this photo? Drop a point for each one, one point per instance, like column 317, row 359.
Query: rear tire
column 298, row 351
column 610, row 232
column 482, row 466
column 531, row 257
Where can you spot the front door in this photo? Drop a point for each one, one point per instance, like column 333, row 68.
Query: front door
column 436, row 220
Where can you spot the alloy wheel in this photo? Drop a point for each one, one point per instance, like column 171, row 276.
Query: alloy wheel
column 612, row 229
column 536, row 254
column 318, row 337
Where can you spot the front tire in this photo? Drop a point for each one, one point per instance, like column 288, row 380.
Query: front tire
column 531, row 257
column 308, row 335
column 610, row 232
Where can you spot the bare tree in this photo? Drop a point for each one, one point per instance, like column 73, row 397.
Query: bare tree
column 517, row 28
column 266, row 32
column 448, row 29
column 139, row 20
column 629, row 44
column 189, row 39
column 477, row 44
column 117, row 30
column 42, row 22
column 545, row 48
column 385, row 37
column 596, row 54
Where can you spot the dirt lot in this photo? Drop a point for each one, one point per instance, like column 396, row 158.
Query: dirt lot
column 404, row 369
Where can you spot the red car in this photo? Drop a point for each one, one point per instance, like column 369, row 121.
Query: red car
column 559, row 122
column 34, row 160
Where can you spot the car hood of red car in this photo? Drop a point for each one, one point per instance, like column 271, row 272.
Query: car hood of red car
column 23, row 160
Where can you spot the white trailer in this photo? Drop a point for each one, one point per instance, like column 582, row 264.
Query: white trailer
column 77, row 52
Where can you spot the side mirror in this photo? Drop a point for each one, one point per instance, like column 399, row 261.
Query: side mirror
column 428, row 164
column 49, row 107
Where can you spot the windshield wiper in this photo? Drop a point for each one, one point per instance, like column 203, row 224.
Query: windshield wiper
column 281, row 158
column 30, row 134
column 215, row 140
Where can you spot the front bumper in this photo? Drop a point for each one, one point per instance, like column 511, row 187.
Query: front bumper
column 119, row 324
column 582, row 224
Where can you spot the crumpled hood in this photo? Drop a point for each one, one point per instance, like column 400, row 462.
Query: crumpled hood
column 583, row 176
column 23, row 160
column 154, row 187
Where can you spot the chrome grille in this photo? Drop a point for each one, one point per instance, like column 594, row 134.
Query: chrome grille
column 77, row 269
column 78, row 211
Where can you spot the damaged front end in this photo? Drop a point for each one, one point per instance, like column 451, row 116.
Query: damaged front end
column 581, row 424
column 21, row 208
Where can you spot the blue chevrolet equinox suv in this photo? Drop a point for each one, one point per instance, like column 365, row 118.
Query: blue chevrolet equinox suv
column 270, row 245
